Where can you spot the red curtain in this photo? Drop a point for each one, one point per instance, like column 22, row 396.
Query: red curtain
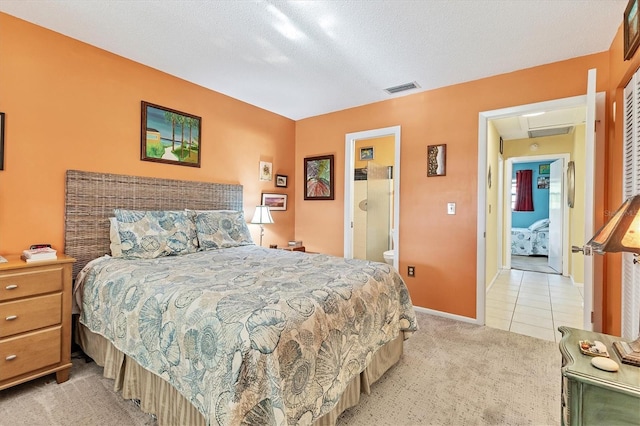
column 524, row 193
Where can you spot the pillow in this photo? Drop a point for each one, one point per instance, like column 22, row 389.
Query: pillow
column 151, row 234
column 221, row 229
column 114, row 236
column 539, row 224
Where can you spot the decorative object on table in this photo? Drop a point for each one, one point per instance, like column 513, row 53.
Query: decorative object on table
column 595, row 348
column 621, row 233
column 275, row 202
column 261, row 217
column 366, row 153
column 571, row 183
column 170, row 136
column 318, row 172
column 436, row 160
column 266, row 171
column 544, row 169
column 295, row 243
column 281, row 181
column 631, row 29
column 1, row 140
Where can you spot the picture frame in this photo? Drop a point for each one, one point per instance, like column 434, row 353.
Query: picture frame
column 631, row 29
column 543, row 182
column 544, row 169
column 366, row 153
column 170, row 136
column 281, row 181
column 266, row 171
column 318, row 175
column 2, row 140
column 275, row 202
column 436, row 160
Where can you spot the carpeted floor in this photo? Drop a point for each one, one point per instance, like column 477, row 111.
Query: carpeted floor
column 452, row 373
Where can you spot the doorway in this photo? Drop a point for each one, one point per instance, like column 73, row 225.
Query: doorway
column 372, row 216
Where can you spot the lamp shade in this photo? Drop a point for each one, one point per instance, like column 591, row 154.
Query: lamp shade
column 621, row 232
column 262, row 215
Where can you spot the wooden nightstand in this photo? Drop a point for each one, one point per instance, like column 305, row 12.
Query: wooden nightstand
column 35, row 319
column 296, row 248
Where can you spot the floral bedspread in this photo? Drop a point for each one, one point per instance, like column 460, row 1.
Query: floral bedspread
column 249, row 335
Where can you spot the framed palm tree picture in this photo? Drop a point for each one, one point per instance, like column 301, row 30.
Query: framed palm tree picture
column 318, row 172
column 170, row 136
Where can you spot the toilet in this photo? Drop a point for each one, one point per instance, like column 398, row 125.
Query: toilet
column 390, row 254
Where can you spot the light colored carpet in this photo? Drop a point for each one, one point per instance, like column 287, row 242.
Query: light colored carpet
column 452, row 373
column 532, row 263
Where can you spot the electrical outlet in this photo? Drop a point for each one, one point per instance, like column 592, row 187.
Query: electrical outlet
column 411, row 271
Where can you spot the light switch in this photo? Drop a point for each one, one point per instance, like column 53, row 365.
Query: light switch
column 451, row 208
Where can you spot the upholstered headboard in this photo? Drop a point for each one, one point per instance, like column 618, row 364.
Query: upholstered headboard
column 91, row 197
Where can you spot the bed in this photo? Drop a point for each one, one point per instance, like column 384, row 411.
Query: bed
column 531, row 241
column 225, row 333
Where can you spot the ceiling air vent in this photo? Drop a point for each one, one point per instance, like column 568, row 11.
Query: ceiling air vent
column 550, row 132
column 402, row 87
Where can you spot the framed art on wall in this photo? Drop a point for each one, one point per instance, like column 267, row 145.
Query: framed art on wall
column 266, row 170
column 631, row 29
column 170, row 136
column 318, row 173
column 281, row 181
column 436, row 160
column 366, row 153
column 275, row 201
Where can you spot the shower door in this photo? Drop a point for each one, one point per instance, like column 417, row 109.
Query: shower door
column 379, row 191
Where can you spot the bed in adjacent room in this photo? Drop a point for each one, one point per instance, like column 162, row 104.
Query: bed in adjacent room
column 531, row 241
column 221, row 331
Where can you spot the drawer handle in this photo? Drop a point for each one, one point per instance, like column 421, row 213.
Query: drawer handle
column 11, row 286
column 11, row 317
column 11, row 357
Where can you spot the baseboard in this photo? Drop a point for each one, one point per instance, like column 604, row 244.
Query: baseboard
column 446, row 315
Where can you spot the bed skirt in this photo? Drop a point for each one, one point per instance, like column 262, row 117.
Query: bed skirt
column 159, row 398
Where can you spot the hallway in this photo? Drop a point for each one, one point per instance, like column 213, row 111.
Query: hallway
column 534, row 304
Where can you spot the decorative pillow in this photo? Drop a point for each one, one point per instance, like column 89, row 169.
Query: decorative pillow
column 114, row 236
column 221, row 229
column 151, row 234
column 539, row 224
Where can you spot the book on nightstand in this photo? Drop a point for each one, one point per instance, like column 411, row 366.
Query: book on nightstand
column 629, row 352
column 38, row 254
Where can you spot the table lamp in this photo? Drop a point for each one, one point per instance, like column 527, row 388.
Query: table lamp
column 262, row 216
column 622, row 234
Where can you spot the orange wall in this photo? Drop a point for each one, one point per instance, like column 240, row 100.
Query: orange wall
column 441, row 246
column 69, row 105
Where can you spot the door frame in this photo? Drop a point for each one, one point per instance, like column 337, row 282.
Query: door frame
column 349, row 168
column 565, row 211
column 483, row 121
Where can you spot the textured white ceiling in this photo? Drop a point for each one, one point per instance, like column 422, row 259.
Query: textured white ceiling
column 304, row 58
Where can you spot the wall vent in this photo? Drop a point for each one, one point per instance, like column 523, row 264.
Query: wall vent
column 540, row 133
column 402, row 87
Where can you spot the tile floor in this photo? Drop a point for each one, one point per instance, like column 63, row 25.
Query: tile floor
column 534, row 303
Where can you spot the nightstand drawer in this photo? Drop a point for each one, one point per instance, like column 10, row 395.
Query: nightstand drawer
column 29, row 352
column 29, row 282
column 30, row 314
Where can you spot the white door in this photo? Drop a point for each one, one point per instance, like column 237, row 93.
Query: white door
column 556, row 214
column 589, row 183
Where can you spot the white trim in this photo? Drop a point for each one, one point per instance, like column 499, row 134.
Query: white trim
column 350, row 144
column 446, row 315
column 565, row 211
column 483, row 119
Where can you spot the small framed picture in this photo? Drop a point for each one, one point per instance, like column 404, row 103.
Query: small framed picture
column 366, row 153
column 544, row 169
column 281, row 181
column 266, row 170
column 631, row 29
column 436, row 160
column 275, row 201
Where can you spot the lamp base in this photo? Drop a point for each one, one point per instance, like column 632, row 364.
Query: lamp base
column 629, row 352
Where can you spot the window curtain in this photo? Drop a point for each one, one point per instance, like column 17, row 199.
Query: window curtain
column 524, row 192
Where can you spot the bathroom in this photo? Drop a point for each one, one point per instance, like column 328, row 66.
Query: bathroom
column 373, row 199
